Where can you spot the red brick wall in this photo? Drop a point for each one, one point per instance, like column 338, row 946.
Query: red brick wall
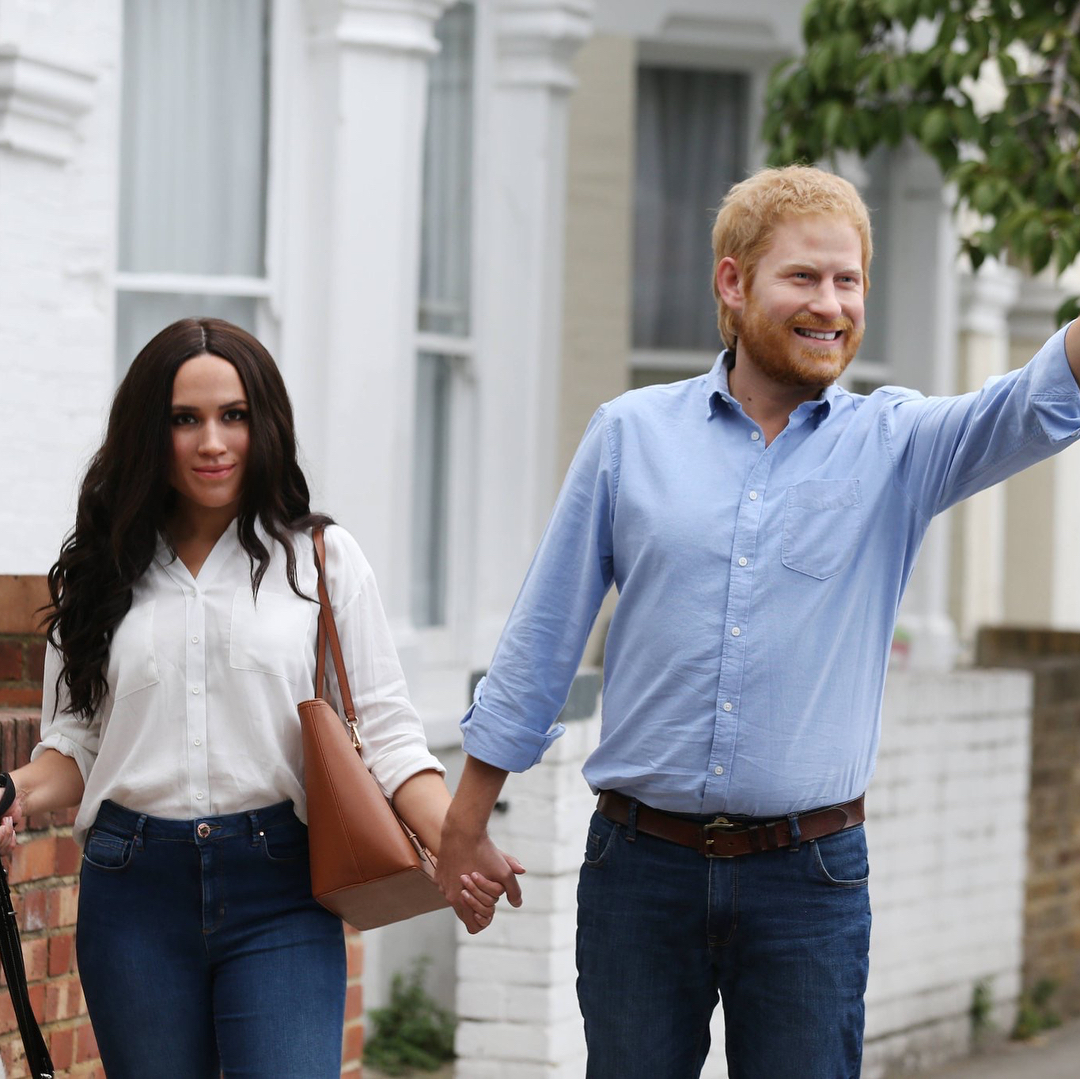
column 46, row 867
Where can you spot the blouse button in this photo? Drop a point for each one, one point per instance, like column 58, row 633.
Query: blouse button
column 194, row 640
column 195, row 690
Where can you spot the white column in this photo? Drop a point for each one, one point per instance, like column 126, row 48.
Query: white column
column 351, row 269
column 922, row 263
column 519, row 293
column 1042, row 586
column 978, row 535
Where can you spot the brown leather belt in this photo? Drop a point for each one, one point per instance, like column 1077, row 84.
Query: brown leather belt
column 724, row 838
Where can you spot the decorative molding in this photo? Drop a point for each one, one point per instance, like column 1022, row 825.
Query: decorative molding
column 538, row 39
column 987, row 298
column 392, row 26
column 41, row 102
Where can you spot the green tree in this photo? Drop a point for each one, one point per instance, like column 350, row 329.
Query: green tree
column 989, row 88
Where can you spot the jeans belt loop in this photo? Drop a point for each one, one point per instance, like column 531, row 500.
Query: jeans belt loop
column 793, row 824
column 256, row 831
column 631, row 823
column 139, row 831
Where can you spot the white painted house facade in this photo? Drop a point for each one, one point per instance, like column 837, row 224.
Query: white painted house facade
column 460, row 226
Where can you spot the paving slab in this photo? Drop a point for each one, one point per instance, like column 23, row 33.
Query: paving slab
column 1053, row 1055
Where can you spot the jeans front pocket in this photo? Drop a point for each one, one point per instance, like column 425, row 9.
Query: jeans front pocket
column 822, row 525
column 841, row 859
column 285, row 842
column 106, row 851
column 602, row 833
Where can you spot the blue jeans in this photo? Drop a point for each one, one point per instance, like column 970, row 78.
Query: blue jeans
column 782, row 937
column 202, row 952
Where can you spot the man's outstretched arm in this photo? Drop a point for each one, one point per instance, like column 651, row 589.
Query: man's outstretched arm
column 466, row 847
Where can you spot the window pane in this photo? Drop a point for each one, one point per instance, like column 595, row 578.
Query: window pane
column 431, row 489
column 691, row 147
column 194, row 137
column 446, row 225
column 140, row 315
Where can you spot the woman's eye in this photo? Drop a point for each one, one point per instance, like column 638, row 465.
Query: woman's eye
column 182, row 419
column 236, row 415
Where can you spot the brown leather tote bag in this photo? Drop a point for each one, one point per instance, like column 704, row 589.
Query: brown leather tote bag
column 367, row 865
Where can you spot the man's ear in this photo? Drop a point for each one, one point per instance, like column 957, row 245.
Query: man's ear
column 729, row 284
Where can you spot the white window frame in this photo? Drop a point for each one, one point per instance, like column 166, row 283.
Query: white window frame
column 444, row 647
column 265, row 289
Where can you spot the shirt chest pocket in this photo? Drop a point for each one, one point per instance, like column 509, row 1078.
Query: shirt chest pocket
column 270, row 635
column 822, row 524
column 132, row 659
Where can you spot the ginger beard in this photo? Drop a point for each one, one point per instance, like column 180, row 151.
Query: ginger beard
column 778, row 350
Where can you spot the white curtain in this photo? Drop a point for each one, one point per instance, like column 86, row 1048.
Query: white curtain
column 691, row 147
column 444, row 301
column 446, row 222
column 194, row 134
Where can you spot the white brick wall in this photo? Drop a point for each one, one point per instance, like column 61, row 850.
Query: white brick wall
column 947, row 818
column 59, row 158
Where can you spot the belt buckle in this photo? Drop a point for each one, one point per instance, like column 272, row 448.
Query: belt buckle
column 720, row 824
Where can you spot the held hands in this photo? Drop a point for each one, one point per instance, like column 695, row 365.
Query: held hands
column 472, row 874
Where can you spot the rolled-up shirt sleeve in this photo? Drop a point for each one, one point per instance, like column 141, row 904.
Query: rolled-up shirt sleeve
column 60, row 730
column 513, row 717
column 394, row 746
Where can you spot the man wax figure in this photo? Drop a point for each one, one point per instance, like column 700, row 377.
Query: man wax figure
column 760, row 524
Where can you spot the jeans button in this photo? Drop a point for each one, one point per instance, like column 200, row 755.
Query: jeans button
column 203, row 830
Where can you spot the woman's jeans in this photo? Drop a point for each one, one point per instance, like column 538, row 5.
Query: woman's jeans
column 202, row 952
column 781, row 936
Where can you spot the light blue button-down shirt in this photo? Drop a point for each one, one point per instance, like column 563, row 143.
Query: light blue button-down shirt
column 758, row 585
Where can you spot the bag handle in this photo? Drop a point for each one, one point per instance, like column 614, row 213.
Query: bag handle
column 328, row 631
column 11, row 958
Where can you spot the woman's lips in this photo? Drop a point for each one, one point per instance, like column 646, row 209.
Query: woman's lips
column 216, row 473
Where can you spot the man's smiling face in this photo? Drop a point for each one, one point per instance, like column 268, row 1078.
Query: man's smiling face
column 802, row 318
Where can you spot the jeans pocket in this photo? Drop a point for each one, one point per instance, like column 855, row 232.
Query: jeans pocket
column 841, row 860
column 285, row 843
column 602, row 832
column 106, row 851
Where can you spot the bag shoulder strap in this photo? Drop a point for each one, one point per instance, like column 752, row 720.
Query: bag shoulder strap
column 328, row 631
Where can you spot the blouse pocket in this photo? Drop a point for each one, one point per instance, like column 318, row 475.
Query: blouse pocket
column 132, row 660
column 822, row 525
column 270, row 635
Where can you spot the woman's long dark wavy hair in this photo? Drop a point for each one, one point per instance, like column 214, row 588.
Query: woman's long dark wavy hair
column 126, row 497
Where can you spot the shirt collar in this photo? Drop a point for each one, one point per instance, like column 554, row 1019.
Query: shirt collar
column 717, row 390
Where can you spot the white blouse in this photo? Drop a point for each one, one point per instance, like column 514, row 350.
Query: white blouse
column 200, row 717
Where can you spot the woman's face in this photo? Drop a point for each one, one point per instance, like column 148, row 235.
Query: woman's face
column 210, row 435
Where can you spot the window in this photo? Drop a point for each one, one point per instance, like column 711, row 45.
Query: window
column 444, row 344
column 692, row 145
column 192, row 173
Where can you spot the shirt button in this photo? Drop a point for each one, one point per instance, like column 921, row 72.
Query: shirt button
column 195, row 690
column 198, row 741
column 719, row 770
column 753, row 496
column 194, row 640
column 198, row 796
column 735, row 631
column 742, row 561
column 727, row 706
column 755, row 435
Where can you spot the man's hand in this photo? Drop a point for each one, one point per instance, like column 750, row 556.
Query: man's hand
column 473, row 873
